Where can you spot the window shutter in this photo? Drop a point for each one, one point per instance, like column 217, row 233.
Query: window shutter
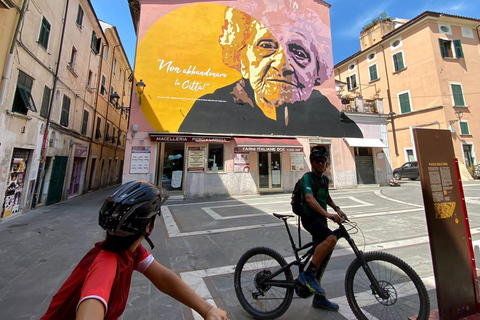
column 442, row 48
column 45, row 102
column 404, row 103
column 85, row 122
column 398, row 61
column 65, row 111
column 464, row 128
column 354, row 81
column 349, row 85
column 373, row 72
column 458, row 48
column 458, row 95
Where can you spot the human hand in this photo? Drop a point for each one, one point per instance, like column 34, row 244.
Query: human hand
column 216, row 314
column 342, row 215
column 335, row 218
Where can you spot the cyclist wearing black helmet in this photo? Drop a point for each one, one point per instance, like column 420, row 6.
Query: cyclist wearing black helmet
column 98, row 287
column 314, row 220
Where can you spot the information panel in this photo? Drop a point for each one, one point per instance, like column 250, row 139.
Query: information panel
column 449, row 242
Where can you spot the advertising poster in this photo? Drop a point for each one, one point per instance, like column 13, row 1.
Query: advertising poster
column 140, row 162
column 297, row 162
column 242, row 67
column 241, row 162
column 15, row 183
column 196, row 159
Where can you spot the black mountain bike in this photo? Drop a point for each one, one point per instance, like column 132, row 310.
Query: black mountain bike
column 378, row 285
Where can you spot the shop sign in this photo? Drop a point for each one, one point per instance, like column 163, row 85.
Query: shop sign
column 196, row 159
column 140, row 161
column 269, row 149
column 80, row 151
column 241, row 162
column 188, row 139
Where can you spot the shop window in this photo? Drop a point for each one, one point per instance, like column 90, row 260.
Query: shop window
column 215, row 157
column 23, row 100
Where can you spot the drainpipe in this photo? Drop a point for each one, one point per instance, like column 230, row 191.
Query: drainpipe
column 390, row 103
column 47, row 124
column 6, row 72
column 120, row 119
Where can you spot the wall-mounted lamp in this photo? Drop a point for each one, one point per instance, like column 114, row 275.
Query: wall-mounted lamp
column 458, row 114
column 114, row 99
column 140, row 88
column 134, row 129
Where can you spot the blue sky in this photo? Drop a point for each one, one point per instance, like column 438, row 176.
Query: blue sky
column 347, row 18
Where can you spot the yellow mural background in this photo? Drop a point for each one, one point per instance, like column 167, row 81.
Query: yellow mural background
column 189, row 38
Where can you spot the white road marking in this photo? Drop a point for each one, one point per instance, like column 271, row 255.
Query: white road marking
column 381, row 195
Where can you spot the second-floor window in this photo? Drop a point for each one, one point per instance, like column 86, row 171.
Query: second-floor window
column 89, row 79
column 85, row 122
column 73, row 59
column 457, row 92
column 404, row 101
column 373, row 73
column 114, row 65
column 352, row 82
column 23, row 100
column 96, row 42
column 65, row 111
column 102, row 88
column 44, row 35
column 464, row 128
column 98, row 132
column 398, row 61
column 45, row 102
column 451, row 49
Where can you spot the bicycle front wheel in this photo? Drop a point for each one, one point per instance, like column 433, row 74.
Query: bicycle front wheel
column 406, row 295
column 263, row 301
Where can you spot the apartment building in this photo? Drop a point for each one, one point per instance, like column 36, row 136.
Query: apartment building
column 426, row 71
column 49, row 101
column 111, row 114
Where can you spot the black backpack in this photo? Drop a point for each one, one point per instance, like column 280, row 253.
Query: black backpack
column 297, row 196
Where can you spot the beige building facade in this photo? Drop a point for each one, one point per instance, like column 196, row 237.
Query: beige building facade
column 426, row 71
column 49, row 101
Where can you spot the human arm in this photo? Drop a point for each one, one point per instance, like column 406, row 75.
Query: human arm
column 169, row 283
column 313, row 203
column 90, row 309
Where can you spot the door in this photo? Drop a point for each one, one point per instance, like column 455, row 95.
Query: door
column 57, row 178
column 269, row 171
column 364, row 165
column 172, row 166
column 467, row 155
column 76, row 176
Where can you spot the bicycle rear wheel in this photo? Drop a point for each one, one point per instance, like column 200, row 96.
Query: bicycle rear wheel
column 407, row 295
column 260, row 300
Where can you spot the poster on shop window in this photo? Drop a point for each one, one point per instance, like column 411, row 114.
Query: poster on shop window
column 241, row 162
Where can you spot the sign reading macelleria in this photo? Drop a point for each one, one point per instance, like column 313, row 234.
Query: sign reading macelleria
column 241, row 67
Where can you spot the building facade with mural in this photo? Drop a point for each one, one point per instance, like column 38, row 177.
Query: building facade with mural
column 426, row 70
column 234, row 105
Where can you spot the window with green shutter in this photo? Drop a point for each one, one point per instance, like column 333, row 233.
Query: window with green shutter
column 458, row 48
column 79, row 16
column 464, row 127
column 98, row 132
column 44, row 33
column 404, row 102
column 23, row 100
column 458, row 95
column 373, row 72
column 352, row 82
column 85, row 122
column 45, row 102
column 65, row 111
column 398, row 63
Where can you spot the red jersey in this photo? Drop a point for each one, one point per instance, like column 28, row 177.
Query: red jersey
column 101, row 275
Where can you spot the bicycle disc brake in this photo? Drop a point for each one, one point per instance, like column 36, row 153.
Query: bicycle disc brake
column 389, row 290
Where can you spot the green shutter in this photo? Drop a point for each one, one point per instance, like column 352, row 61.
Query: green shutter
column 349, row 85
column 464, row 128
column 458, row 48
column 442, row 48
column 65, row 111
column 44, row 33
column 45, row 102
column 79, row 16
column 458, row 95
column 354, row 81
column 85, row 122
column 404, row 103
column 373, row 72
column 398, row 61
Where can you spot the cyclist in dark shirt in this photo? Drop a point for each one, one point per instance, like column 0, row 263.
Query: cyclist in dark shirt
column 98, row 287
column 314, row 220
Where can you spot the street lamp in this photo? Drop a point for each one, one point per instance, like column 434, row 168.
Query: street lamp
column 459, row 114
column 114, row 98
column 140, row 88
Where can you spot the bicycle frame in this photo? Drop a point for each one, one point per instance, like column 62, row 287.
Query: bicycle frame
column 341, row 232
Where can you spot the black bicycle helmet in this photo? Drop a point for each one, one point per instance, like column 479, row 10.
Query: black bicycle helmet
column 129, row 209
column 318, row 152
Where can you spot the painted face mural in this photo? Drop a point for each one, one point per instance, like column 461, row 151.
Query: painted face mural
column 261, row 67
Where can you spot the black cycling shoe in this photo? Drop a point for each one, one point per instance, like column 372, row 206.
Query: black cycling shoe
column 321, row 302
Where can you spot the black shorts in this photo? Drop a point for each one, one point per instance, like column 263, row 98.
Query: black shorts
column 317, row 227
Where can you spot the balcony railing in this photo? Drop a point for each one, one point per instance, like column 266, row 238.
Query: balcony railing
column 358, row 104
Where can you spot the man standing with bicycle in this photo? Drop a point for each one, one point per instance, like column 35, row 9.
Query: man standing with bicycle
column 314, row 220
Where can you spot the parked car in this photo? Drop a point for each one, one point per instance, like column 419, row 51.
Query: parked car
column 407, row 170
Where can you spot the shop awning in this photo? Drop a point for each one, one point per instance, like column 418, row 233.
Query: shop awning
column 268, row 145
column 361, row 142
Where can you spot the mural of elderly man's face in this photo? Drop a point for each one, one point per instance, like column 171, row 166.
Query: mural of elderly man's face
column 279, row 72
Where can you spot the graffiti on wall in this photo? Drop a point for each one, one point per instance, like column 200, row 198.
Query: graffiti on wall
column 258, row 67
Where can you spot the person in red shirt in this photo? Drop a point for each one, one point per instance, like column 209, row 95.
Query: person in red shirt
column 99, row 285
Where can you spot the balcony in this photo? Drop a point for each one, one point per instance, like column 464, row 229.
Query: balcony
column 360, row 105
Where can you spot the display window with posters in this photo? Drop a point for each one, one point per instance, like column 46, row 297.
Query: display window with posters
column 15, row 182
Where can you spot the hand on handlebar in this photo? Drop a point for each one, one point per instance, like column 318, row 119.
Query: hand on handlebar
column 335, row 218
column 342, row 215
